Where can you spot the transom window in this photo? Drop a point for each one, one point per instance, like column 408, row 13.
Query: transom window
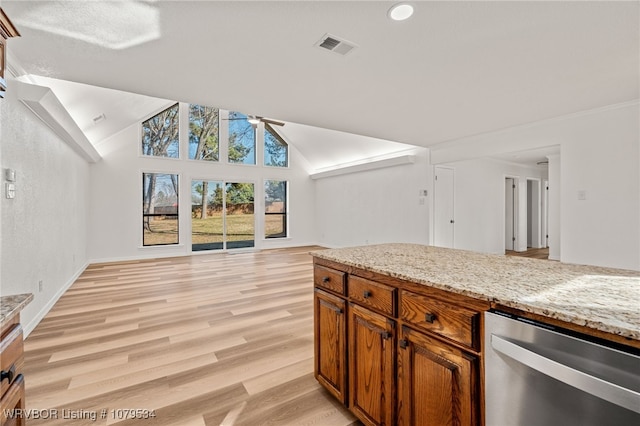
column 276, row 150
column 242, row 139
column 160, row 134
column 204, row 133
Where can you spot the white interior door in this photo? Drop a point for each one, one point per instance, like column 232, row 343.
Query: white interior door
column 509, row 214
column 533, row 213
column 544, row 234
column 443, row 208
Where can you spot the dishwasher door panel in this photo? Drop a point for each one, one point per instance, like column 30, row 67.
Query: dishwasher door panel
column 537, row 376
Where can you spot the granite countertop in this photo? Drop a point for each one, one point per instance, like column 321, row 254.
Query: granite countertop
column 11, row 305
column 604, row 299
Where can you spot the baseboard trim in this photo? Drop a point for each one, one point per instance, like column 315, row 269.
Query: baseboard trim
column 28, row 328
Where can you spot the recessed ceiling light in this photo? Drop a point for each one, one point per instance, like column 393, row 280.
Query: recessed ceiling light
column 400, row 11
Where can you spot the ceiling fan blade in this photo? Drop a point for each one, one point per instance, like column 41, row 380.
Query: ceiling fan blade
column 270, row 121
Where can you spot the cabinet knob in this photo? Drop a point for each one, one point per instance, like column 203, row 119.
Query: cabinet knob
column 403, row 343
column 386, row 335
column 326, row 279
column 366, row 294
column 9, row 375
column 430, row 318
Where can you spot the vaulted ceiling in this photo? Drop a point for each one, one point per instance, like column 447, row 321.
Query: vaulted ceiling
column 453, row 69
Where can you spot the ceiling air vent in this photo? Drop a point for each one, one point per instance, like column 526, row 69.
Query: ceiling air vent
column 335, row 44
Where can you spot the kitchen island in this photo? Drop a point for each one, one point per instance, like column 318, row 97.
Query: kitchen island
column 12, row 358
column 399, row 327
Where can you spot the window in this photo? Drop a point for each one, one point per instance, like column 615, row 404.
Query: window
column 242, row 139
column 275, row 209
column 203, row 133
column 160, row 134
column 276, row 150
column 159, row 209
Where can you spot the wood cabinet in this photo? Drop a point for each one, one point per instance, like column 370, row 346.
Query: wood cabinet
column 437, row 383
column 372, row 354
column 7, row 30
column 330, row 366
column 12, row 380
column 414, row 352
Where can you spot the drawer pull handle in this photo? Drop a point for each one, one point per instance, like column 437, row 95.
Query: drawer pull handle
column 326, row 279
column 366, row 294
column 9, row 375
column 430, row 318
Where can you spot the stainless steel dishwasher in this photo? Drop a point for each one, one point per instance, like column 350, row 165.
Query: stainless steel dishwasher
column 536, row 374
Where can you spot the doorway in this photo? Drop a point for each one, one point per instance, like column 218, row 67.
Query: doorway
column 222, row 215
column 533, row 214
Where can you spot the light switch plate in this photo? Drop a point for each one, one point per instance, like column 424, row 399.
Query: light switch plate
column 10, row 190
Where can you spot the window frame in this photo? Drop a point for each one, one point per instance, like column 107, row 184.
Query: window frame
column 228, row 140
column 269, row 128
column 188, row 134
column 285, row 214
column 141, row 135
column 145, row 215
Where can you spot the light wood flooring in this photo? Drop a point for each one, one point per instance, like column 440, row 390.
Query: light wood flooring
column 534, row 253
column 216, row 339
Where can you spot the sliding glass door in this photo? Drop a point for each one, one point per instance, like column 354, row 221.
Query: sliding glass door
column 239, row 215
column 222, row 215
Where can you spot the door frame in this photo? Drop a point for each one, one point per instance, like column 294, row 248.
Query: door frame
column 225, row 249
column 515, row 211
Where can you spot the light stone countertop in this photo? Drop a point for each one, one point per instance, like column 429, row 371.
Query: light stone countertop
column 604, row 299
column 11, row 305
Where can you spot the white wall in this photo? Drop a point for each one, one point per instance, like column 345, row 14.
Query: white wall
column 43, row 228
column 602, row 159
column 479, row 212
column 599, row 154
column 115, row 219
column 376, row 206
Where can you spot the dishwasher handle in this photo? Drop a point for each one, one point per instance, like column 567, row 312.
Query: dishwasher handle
column 595, row 386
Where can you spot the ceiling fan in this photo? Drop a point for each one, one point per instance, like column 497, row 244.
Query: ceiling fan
column 255, row 119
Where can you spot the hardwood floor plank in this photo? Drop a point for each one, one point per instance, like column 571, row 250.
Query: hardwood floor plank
column 212, row 339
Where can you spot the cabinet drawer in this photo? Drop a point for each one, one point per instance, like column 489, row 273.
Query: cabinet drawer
column 376, row 296
column 329, row 278
column 443, row 318
column 11, row 359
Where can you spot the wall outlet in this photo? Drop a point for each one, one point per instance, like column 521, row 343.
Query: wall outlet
column 40, row 286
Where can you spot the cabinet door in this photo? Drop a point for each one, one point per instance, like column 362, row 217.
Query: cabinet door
column 371, row 366
column 437, row 383
column 330, row 339
column 12, row 404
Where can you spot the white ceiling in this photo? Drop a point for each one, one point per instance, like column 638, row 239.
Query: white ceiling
column 454, row 69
